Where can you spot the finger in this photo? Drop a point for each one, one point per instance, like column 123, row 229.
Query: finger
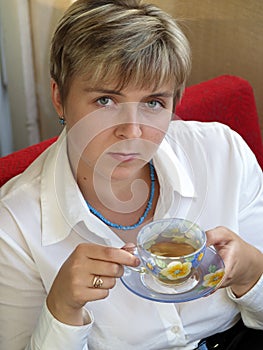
column 105, row 253
column 222, row 238
column 105, row 268
column 96, row 294
column 129, row 247
column 218, row 236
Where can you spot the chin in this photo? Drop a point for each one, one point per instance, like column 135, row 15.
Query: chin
column 125, row 170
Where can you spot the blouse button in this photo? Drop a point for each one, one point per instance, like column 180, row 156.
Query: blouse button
column 175, row 329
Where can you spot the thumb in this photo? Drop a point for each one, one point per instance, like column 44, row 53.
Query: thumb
column 218, row 236
column 129, row 247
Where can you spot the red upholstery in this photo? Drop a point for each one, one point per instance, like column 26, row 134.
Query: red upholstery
column 15, row 163
column 226, row 99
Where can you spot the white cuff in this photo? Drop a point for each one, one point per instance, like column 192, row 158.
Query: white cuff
column 252, row 299
column 251, row 305
column 52, row 334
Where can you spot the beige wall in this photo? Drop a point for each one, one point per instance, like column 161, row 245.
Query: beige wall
column 226, row 37
column 44, row 16
column 18, row 67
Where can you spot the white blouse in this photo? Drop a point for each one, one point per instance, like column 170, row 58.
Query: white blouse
column 207, row 174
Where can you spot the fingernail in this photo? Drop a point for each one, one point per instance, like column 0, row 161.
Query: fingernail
column 137, row 261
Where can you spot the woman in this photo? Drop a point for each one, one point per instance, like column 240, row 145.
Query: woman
column 67, row 224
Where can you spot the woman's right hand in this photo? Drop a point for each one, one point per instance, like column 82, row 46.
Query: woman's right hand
column 73, row 285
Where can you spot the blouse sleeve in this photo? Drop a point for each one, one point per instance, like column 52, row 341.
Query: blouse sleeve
column 250, row 228
column 52, row 334
column 251, row 305
column 26, row 322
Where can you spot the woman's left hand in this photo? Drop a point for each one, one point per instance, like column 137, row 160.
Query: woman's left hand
column 243, row 262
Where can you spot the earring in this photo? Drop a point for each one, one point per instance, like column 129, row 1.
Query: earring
column 61, row 120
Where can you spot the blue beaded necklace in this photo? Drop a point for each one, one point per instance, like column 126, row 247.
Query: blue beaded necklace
column 141, row 219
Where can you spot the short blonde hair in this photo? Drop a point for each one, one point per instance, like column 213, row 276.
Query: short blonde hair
column 119, row 41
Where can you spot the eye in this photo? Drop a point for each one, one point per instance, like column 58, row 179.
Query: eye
column 104, row 101
column 154, row 104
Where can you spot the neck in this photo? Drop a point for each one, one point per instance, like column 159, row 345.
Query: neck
column 143, row 198
column 117, row 194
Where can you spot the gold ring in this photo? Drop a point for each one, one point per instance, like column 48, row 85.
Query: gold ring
column 97, row 282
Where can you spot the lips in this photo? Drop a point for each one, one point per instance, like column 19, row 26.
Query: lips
column 124, row 157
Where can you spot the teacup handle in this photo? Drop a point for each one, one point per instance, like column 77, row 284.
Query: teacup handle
column 132, row 249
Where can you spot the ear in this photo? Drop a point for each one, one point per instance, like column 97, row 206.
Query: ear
column 56, row 98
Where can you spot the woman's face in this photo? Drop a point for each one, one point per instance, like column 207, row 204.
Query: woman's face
column 114, row 131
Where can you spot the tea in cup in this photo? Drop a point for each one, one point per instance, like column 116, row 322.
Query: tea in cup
column 171, row 250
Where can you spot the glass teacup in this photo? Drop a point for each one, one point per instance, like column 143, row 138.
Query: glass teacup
column 171, row 250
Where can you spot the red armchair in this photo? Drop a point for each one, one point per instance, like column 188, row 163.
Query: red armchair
column 226, row 99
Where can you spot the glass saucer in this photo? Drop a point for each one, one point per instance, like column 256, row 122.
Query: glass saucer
column 207, row 279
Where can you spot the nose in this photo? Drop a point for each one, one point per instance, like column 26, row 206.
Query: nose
column 129, row 124
column 129, row 131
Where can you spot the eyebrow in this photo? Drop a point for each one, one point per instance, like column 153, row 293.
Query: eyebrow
column 104, row 91
column 166, row 94
column 162, row 94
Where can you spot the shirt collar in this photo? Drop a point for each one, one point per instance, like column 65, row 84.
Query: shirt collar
column 62, row 204
column 169, row 167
